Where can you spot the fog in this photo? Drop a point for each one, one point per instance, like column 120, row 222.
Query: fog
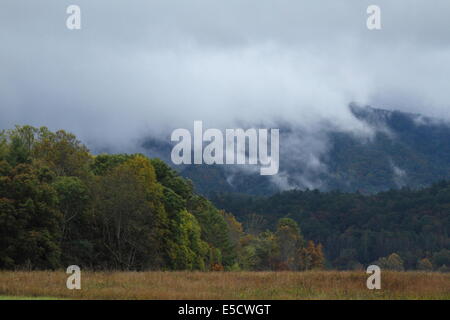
column 142, row 68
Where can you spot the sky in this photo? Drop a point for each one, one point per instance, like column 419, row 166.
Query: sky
column 139, row 68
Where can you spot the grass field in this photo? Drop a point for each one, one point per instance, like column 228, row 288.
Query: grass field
column 224, row 285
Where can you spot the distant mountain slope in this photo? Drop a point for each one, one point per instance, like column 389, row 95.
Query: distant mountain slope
column 357, row 229
column 414, row 151
column 405, row 150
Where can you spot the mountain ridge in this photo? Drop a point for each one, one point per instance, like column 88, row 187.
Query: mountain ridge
column 406, row 149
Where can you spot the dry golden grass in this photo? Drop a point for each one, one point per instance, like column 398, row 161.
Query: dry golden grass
column 226, row 285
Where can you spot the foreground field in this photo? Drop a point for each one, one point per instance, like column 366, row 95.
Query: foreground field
column 225, row 285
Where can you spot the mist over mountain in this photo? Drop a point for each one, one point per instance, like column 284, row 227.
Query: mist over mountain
column 290, row 65
column 144, row 68
column 397, row 150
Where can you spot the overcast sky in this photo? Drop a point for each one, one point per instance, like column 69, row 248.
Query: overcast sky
column 137, row 67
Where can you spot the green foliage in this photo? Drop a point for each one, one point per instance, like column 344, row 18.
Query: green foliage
column 128, row 209
column 392, row 262
column 424, row 265
column 283, row 250
column 214, row 231
column 60, row 205
column 441, row 258
column 73, row 202
column 189, row 251
column 289, row 241
column 357, row 229
column 61, row 152
column 29, row 221
column 170, row 179
column 105, row 162
column 179, row 195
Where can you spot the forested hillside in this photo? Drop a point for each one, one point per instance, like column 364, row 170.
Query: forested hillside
column 60, row 205
column 405, row 150
column 398, row 228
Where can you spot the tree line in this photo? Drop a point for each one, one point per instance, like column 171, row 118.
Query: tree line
column 61, row 205
column 402, row 229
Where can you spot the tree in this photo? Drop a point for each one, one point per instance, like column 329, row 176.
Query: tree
column 266, row 252
column 441, row 258
column 444, row 268
column 29, row 219
column 188, row 250
column 104, row 162
column 62, row 153
column 424, row 265
column 73, row 203
column 310, row 257
column 317, row 257
column 288, row 241
column 393, row 262
column 235, row 235
column 128, row 209
column 214, row 228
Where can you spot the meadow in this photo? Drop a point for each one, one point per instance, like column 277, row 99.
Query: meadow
column 224, row 285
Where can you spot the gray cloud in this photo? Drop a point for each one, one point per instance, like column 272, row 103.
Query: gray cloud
column 139, row 67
